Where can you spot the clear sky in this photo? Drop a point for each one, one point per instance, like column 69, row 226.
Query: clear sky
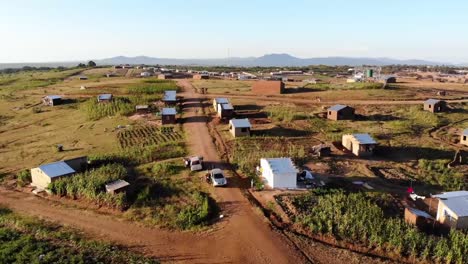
column 64, row 30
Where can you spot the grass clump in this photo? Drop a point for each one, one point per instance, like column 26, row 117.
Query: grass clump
column 23, row 178
column 356, row 218
column 285, row 114
column 118, row 106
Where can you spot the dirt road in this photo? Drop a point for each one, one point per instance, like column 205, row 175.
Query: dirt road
column 296, row 100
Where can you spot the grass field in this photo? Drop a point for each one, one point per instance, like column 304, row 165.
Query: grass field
column 224, row 86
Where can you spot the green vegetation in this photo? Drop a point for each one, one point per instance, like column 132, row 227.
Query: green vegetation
column 415, row 121
column 153, row 86
column 148, row 135
column 344, row 86
column 29, row 240
column 356, row 218
column 118, row 106
column 166, row 198
column 436, row 172
column 247, row 152
column 90, row 185
column 285, row 114
column 23, row 178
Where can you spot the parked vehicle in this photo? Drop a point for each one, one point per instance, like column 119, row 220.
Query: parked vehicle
column 195, row 163
column 217, row 178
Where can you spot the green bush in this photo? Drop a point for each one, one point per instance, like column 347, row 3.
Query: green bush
column 166, row 168
column 436, row 172
column 356, row 218
column 23, row 178
column 118, row 106
column 91, row 185
column 196, row 213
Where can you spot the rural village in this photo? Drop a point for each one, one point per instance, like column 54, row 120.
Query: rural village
column 252, row 162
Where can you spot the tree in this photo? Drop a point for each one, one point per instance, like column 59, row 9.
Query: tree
column 91, row 64
column 81, row 65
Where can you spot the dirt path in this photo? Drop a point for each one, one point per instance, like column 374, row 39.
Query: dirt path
column 291, row 99
column 244, row 232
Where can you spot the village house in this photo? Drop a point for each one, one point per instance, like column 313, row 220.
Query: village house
column 82, row 77
column 170, row 97
column 434, row 105
column 142, row 109
column 117, row 186
column 360, row 145
column 464, row 137
column 340, row 112
column 104, row 98
column 168, row 116
column 225, row 111
column 417, row 217
column 265, row 87
column 201, row 76
column 52, row 100
column 452, row 209
column 47, row 173
column 165, row 76
column 145, row 74
column 219, row 101
column 240, row 127
column 279, row 172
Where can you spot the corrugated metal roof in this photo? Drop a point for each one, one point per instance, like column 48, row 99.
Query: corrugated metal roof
column 240, row 123
column 104, row 96
column 170, row 95
column 56, row 169
column 458, row 205
column 420, row 213
column 141, row 107
column 221, row 100
column 227, row 107
column 53, row 97
column 337, row 107
column 118, row 184
column 168, row 111
column 281, row 165
column 454, row 194
column 364, row 139
column 431, row 101
column 465, row 132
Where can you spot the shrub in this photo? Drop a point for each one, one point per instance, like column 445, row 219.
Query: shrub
column 166, row 168
column 436, row 172
column 196, row 213
column 23, row 178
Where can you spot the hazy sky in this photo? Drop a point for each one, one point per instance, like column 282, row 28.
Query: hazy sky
column 63, row 30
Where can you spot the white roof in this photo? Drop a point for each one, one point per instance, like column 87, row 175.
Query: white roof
column 364, row 139
column 168, row 111
column 118, row 184
column 465, row 132
column 170, row 95
column 419, row 213
column 53, row 97
column 56, row 169
column 227, row 107
column 456, row 201
column 221, row 100
column 281, row 165
column 240, row 123
column 432, row 101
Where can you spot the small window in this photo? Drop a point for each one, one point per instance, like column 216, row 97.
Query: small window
column 430, row 106
column 329, row 112
column 244, row 129
column 464, row 137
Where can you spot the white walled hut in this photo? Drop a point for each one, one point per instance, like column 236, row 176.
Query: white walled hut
column 359, row 144
column 240, row 127
column 47, row 173
column 218, row 101
column 279, row 172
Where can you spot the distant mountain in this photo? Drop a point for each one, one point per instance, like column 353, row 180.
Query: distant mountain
column 265, row 61
column 280, row 60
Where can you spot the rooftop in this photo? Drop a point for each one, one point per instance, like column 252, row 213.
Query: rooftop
column 221, row 100
column 170, row 95
column 56, row 169
column 432, row 101
column 281, row 165
column 227, row 107
column 337, row 107
column 104, row 96
column 465, row 132
column 364, row 139
column 168, row 111
column 53, row 97
column 420, row 213
column 456, row 201
column 240, row 122
column 116, row 185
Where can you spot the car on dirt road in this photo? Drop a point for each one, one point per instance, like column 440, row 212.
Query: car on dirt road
column 217, row 178
column 195, row 163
